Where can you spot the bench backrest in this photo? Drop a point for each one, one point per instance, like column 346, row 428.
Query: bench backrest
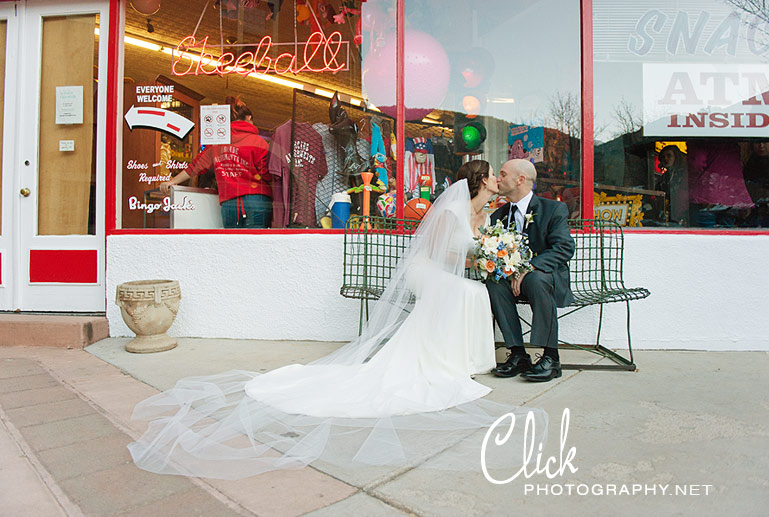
column 371, row 253
column 597, row 261
column 372, row 249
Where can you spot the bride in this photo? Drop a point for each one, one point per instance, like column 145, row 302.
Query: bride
column 379, row 400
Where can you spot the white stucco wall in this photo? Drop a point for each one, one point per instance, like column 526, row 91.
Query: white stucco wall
column 709, row 292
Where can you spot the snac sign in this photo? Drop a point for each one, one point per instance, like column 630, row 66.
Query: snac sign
column 320, row 54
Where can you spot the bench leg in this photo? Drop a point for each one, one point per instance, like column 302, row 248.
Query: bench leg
column 360, row 320
column 620, row 363
column 363, row 303
column 629, row 345
column 600, row 323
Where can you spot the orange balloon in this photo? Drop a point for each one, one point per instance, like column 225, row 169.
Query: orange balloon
column 471, row 105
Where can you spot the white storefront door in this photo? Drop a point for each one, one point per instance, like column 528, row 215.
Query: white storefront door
column 53, row 140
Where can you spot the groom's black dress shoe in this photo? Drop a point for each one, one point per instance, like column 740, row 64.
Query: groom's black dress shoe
column 515, row 364
column 544, row 370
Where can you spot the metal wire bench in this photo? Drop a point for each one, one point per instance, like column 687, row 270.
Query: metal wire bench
column 371, row 255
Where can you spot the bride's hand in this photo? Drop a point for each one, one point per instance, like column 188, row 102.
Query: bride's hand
column 516, row 283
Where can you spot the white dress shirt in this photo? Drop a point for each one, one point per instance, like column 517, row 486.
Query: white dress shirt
column 523, row 206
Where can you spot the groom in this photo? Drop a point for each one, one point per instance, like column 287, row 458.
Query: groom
column 546, row 287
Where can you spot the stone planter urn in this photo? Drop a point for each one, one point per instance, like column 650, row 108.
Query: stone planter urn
column 149, row 308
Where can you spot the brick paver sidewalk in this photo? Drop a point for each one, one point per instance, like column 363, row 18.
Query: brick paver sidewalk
column 64, row 421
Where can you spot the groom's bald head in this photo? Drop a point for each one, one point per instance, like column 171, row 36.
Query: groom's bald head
column 516, row 179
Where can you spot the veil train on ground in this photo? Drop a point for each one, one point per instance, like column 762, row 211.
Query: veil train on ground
column 398, row 395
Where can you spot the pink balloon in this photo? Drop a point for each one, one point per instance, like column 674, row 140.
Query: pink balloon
column 146, row 7
column 427, row 75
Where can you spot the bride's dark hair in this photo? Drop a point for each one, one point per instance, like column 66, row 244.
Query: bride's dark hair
column 474, row 171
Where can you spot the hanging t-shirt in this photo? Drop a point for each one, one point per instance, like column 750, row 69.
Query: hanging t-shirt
column 331, row 182
column 309, row 166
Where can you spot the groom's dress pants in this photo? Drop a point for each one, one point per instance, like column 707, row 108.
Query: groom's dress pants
column 538, row 288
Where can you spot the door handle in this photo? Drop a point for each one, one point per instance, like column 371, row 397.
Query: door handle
column 24, row 192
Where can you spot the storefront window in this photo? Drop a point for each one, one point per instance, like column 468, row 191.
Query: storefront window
column 681, row 118
column 491, row 80
column 281, row 63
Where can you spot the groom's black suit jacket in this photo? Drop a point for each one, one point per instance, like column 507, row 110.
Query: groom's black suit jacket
column 549, row 239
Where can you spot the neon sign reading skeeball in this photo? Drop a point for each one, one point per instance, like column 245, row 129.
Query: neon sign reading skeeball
column 320, row 55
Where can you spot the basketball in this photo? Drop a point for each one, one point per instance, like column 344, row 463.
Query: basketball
column 416, row 208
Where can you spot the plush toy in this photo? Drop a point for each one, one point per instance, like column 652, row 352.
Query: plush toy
column 420, row 161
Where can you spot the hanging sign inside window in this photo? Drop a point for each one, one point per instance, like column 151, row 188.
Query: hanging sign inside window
column 705, row 100
column 215, row 124
column 154, row 93
column 69, row 104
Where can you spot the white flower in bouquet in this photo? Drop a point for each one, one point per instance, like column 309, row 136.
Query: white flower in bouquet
column 508, row 239
column 514, row 259
column 491, row 245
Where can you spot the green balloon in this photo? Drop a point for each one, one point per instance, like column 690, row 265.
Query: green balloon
column 471, row 137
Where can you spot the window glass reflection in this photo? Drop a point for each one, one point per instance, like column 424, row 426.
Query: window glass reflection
column 681, row 116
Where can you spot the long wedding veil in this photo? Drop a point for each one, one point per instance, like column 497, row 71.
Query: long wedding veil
column 209, row 427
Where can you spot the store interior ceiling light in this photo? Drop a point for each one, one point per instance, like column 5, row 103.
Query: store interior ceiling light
column 503, row 100
column 148, row 45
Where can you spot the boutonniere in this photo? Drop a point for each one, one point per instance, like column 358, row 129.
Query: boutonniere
column 528, row 218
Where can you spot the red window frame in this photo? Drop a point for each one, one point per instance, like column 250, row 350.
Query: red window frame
column 587, row 156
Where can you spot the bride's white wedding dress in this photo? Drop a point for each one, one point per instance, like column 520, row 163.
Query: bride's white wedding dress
column 373, row 401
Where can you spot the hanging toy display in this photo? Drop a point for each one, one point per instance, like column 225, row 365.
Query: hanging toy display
column 378, row 153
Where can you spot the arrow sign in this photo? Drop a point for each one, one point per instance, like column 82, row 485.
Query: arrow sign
column 160, row 119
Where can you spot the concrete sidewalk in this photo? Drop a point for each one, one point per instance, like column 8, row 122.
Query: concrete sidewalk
column 693, row 422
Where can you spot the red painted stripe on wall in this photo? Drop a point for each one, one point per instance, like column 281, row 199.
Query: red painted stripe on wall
column 63, row 266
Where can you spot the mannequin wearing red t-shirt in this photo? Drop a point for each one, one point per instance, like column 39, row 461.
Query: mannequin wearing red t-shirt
column 242, row 178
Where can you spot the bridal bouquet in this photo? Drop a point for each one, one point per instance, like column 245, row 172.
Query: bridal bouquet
column 501, row 253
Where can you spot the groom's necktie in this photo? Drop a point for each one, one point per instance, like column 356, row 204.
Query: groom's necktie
column 512, row 217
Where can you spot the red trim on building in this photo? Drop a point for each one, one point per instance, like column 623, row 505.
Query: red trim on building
column 588, row 151
column 250, row 231
column 693, row 231
column 400, row 108
column 64, row 266
column 114, row 40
